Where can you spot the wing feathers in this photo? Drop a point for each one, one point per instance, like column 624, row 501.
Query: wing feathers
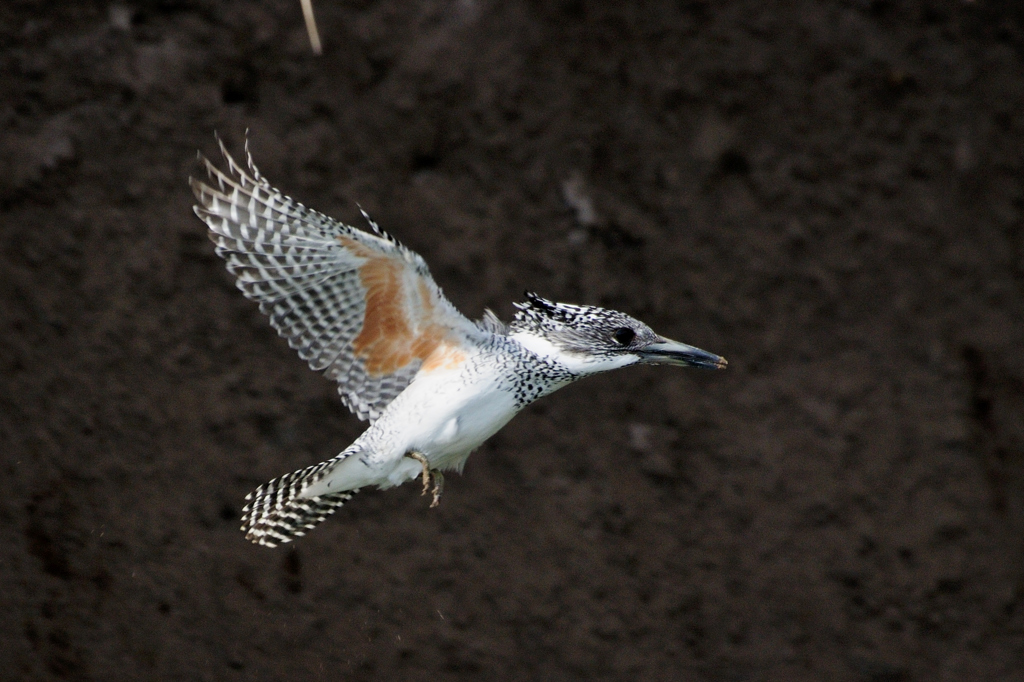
column 359, row 306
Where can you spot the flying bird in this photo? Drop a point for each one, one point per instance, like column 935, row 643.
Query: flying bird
column 363, row 309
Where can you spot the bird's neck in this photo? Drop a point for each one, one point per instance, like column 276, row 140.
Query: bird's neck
column 540, row 346
column 576, row 364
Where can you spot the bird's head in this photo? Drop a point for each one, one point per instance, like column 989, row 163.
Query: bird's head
column 588, row 340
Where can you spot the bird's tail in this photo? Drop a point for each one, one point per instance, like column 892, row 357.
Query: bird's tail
column 276, row 512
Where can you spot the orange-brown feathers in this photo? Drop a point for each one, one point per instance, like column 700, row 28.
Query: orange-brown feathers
column 398, row 328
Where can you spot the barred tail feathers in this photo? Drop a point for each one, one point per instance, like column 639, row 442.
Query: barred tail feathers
column 276, row 513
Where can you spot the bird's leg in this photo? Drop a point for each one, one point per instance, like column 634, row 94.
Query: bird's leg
column 418, row 456
column 428, row 475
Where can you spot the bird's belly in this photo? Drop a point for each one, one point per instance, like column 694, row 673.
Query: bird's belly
column 452, row 426
column 441, row 418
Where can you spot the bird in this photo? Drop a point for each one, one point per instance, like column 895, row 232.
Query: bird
column 363, row 309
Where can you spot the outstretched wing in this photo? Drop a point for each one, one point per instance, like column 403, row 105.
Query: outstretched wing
column 359, row 306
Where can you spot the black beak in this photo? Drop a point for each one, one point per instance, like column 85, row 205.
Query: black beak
column 668, row 352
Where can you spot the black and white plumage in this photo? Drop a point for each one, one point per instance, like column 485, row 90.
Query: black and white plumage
column 309, row 274
column 364, row 309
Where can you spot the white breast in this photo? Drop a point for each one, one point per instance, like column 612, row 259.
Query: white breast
column 444, row 414
column 446, row 418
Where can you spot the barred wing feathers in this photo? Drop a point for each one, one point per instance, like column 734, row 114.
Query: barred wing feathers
column 359, row 306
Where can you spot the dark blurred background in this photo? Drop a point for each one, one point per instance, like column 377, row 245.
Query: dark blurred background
column 827, row 193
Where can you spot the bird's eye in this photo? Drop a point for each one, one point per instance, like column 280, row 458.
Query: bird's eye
column 624, row 336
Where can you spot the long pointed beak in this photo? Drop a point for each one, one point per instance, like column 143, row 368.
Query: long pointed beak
column 669, row 352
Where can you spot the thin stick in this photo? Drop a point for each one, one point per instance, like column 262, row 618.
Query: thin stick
column 314, row 35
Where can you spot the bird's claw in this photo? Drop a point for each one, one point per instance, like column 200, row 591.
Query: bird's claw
column 429, row 475
column 438, row 487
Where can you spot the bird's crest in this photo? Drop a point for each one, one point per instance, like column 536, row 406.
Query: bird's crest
column 537, row 312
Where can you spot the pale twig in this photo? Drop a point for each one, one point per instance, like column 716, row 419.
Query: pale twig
column 314, row 35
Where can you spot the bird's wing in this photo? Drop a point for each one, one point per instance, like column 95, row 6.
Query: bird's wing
column 359, row 306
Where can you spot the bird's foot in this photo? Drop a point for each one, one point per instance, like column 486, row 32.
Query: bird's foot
column 429, row 475
column 426, row 468
column 438, row 487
